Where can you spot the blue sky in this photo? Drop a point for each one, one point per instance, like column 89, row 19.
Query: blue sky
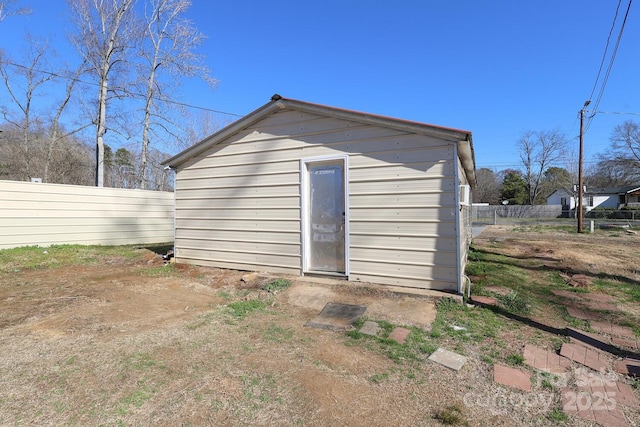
column 497, row 68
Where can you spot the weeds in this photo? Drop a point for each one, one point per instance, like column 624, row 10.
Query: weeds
column 452, row 416
column 240, row 309
column 276, row 285
column 515, row 303
column 515, row 359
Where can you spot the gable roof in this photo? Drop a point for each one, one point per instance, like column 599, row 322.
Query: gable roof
column 604, row 190
column 462, row 138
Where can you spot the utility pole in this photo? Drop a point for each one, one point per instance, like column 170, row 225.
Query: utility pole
column 580, row 156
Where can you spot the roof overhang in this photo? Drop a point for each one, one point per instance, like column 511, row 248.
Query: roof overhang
column 462, row 138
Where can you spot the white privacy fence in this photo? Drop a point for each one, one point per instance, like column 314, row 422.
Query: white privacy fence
column 45, row 214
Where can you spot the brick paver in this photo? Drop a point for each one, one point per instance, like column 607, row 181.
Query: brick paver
column 593, row 407
column 482, row 300
column 599, row 297
column 399, row 334
column 566, row 294
column 626, row 342
column 512, row 377
column 598, row 384
column 612, row 329
column 591, row 340
column 599, row 305
column 545, row 360
column 581, row 313
column 585, row 356
column 628, row 367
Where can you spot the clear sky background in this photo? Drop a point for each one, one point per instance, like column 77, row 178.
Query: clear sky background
column 496, row 68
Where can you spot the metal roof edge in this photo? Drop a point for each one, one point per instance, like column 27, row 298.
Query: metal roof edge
column 462, row 138
column 226, row 132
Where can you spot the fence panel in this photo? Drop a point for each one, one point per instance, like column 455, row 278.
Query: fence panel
column 551, row 215
column 45, row 214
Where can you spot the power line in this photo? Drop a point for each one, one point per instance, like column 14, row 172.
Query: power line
column 169, row 101
column 606, row 48
column 611, row 62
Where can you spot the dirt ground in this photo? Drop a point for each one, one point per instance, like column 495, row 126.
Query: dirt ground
column 109, row 344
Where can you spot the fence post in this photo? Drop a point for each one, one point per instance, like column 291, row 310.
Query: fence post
column 495, row 217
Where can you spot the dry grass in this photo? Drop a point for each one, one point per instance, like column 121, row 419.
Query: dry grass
column 124, row 341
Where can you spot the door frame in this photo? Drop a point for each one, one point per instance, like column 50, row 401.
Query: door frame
column 304, row 211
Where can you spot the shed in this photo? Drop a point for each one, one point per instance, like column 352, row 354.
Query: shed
column 306, row 189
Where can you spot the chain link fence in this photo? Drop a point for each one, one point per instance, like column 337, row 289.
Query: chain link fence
column 551, row 215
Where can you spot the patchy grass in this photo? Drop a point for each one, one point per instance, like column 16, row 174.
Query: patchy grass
column 240, row 309
column 515, row 359
column 276, row 285
column 415, row 347
column 56, row 256
column 452, row 415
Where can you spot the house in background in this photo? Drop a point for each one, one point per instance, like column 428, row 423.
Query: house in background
column 305, row 189
column 614, row 198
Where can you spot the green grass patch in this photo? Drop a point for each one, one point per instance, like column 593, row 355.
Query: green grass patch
column 558, row 416
column 278, row 334
column 464, row 324
column 240, row 309
column 55, row 256
column 494, row 269
column 515, row 359
column 415, row 347
column 515, row 302
column 276, row 285
column 167, row 270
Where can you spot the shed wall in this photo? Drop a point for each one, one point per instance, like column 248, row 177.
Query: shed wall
column 238, row 204
column 45, row 214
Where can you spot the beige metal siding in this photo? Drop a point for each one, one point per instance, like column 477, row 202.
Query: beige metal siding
column 45, row 214
column 465, row 227
column 238, row 204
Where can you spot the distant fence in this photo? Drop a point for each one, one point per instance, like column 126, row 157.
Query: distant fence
column 548, row 214
column 45, row 214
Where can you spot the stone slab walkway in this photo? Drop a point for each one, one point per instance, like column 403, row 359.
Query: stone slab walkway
column 566, row 294
column 593, row 408
column 482, row 300
column 581, row 313
column 628, row 367
column 448, row 358
column 399, row 335
column 588, row 357
column 610, row 390
column 512, row 377
column 545, row 360
column 612, row 329
column 626, row 342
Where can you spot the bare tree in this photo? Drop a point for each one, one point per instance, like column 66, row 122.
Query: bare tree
column 8, row 8
column 56, row 132
column 487, row 187
column 538, row 151
column 21, row 84
column 169, row 48
column 105, row 32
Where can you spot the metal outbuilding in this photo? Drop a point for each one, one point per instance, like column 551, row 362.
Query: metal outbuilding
column 306, row 189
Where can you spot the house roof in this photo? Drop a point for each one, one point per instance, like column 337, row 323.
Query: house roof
column 613, row 190
column 462, row 138
column 604, row 190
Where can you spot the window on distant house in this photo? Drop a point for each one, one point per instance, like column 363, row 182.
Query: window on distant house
column 563, row 201
column 590, row 201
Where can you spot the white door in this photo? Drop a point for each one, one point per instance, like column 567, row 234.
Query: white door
column 325, row 216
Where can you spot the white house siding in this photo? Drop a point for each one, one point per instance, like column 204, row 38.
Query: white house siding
column 45, row 214
column 238, row 203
